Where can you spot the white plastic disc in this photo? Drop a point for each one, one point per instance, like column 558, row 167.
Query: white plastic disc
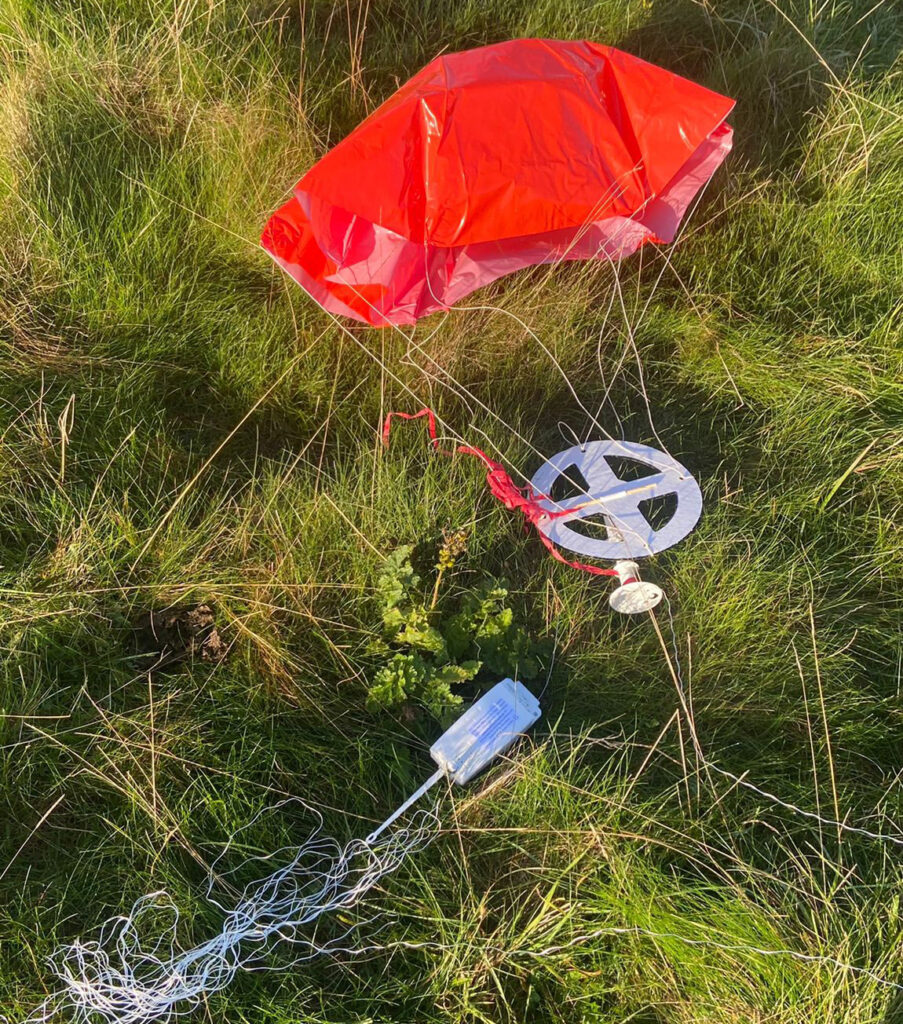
column 636, row 597
column 615, row 506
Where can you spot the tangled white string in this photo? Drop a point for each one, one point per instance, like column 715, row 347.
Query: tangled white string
column 135, row 972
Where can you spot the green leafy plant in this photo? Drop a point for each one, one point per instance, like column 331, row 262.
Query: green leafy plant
column 429, row 646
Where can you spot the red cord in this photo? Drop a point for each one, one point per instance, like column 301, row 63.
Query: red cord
column 502, row 487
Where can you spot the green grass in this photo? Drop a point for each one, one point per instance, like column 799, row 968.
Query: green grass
column 179, row 423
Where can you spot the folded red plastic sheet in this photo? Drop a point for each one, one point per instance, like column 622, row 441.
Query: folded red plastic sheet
column 491, row 160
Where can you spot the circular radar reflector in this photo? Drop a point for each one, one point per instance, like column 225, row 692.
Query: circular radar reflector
column 620, row 500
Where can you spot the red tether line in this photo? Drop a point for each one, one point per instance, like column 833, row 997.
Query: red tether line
column 502, row 487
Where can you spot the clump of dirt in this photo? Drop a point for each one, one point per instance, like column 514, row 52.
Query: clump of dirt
column 179, row 633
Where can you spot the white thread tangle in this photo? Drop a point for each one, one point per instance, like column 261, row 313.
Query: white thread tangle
column 127, row 977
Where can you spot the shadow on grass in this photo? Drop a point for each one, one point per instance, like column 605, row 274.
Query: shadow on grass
column 894, row 1013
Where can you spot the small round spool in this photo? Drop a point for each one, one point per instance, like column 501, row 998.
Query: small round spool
column 633, row 596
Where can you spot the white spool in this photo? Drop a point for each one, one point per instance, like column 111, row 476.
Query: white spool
column 633, row 595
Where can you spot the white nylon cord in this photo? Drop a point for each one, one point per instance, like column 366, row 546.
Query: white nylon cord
column 412, row 799
column 742, row 780
column 136, row 973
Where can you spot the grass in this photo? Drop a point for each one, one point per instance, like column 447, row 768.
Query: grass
column 179, row 423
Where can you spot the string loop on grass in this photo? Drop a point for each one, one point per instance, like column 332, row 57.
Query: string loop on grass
column 135, row 972
column 521, row 499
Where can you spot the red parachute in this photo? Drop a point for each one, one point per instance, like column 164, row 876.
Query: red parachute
column 491, row 160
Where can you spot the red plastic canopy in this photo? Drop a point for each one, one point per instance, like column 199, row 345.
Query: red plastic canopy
column 490, row 160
